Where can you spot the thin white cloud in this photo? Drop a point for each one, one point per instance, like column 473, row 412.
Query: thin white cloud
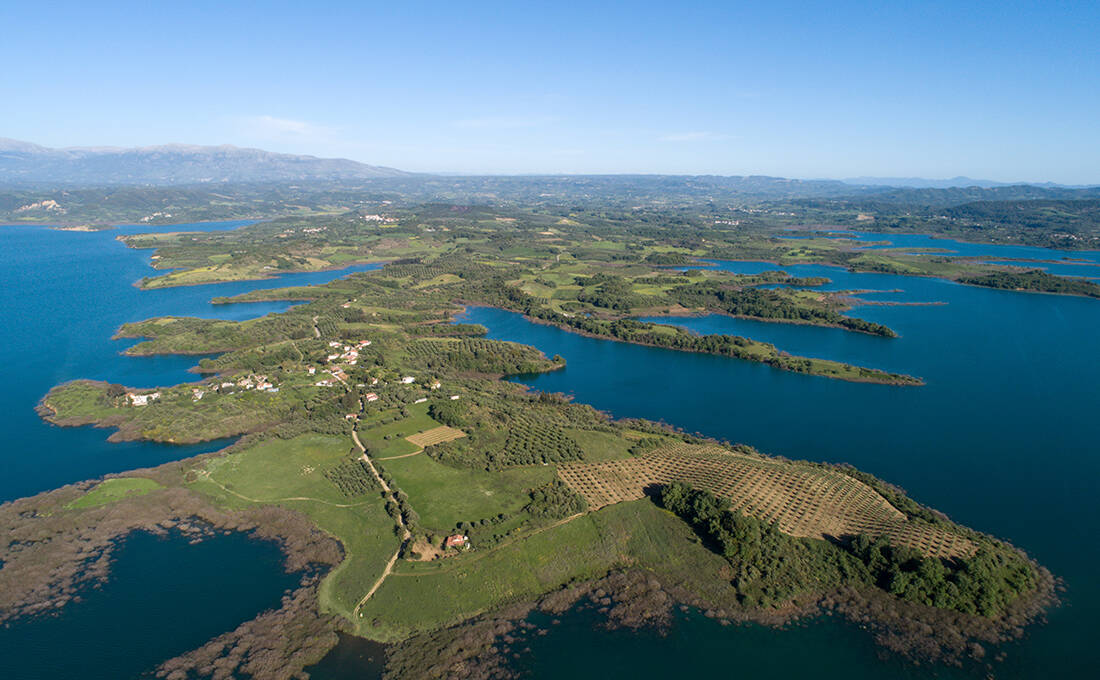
column 271, row 126
column 504, row 122
column 696, row 137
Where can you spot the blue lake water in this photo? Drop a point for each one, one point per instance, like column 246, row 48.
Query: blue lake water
column 164, row 597
column 1065, row 262
column 1004, row 437
column 62, row 296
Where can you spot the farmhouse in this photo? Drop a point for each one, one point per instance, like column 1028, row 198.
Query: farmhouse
column 457, row 541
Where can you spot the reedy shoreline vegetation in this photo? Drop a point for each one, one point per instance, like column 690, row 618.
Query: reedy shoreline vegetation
column 297, row 475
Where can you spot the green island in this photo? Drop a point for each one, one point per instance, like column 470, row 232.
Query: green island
column 431, row 505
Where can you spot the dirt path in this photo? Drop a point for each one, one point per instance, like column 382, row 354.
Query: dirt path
column 316, row 330
column 280, row 500
column 405, row 535
column 404, row 455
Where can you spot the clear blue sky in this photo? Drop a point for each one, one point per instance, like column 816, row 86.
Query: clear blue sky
column 1001, row 90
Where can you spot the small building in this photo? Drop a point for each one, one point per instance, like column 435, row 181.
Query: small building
column 454, row 397
column 408, row 380
column 435, row 385
column 421, row 400
column 457, row 541
column 370, row 396
column 142, row 399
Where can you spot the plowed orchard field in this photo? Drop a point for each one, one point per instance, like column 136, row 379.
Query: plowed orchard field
column 802, row 500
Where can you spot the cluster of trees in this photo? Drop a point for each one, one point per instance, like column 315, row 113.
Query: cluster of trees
column 610, row 292
column 352, row 478
column 480, row 356
column 448, row 412
column 531, row 442
column 983, row 584
column 450, row 330
column 772, row 567
column 554, row 500
column 767, row 304
column 667, row 259
column 1036, row 280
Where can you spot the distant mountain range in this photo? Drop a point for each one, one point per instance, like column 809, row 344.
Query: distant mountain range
column 23, row 162
column 952, row 183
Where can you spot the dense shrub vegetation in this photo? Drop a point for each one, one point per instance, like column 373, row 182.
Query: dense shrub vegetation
column 1035, row 280
column 772, row 568
column 554, row 500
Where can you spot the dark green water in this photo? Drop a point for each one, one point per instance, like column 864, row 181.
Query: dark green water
column 1005, row 437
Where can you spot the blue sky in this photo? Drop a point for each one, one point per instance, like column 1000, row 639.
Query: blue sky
column 1000, row 90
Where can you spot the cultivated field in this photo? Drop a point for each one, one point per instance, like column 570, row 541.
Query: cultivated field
column 802, row 500
column 436, row 435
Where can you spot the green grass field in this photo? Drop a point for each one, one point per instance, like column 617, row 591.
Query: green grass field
column 374, row 437
column 444, row 496
column 421, row 596
column 600, row 446
column 111, row 490
column 290, row 473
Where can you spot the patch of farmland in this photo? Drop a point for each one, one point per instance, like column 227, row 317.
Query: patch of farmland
column 802, row 500
column 436, row 435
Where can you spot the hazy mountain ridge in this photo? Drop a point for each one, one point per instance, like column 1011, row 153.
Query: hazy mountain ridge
column 171, row 164
column 959, row 182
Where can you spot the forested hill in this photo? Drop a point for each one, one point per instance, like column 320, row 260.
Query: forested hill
column 171, row 164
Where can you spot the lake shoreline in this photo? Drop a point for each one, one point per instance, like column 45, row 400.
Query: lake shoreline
column 903, row 381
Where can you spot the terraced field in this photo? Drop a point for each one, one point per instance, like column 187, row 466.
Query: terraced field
column 436, row 435
column 802, row 500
